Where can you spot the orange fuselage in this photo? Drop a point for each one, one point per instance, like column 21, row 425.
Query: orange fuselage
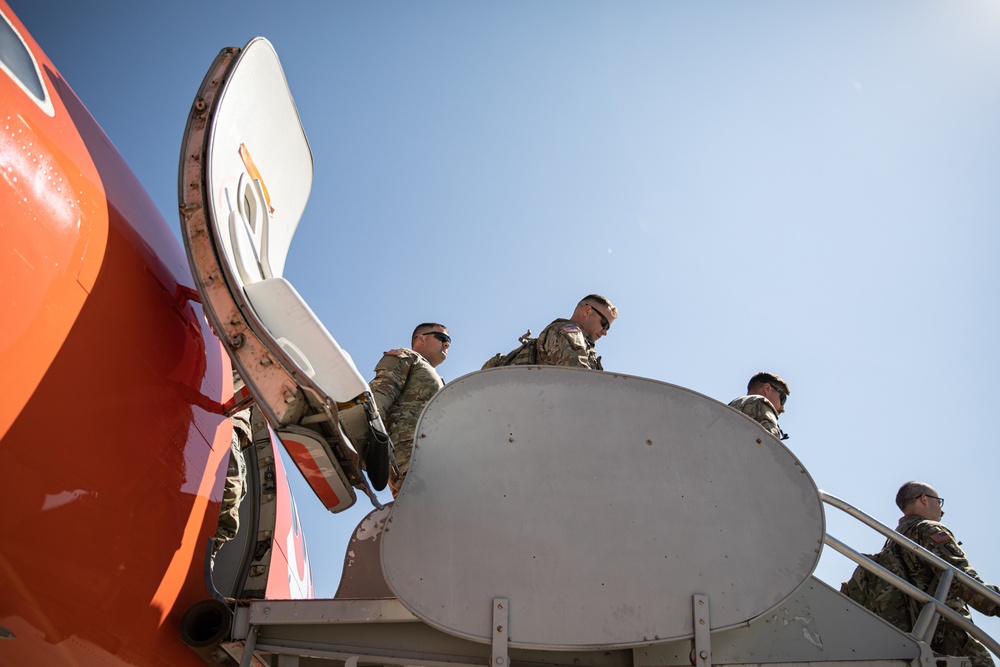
column 113, row 447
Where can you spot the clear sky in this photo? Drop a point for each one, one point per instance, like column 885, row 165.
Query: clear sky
column 806, row 188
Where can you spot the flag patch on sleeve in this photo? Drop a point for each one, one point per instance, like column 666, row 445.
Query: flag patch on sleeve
column 571, row 328
column 940, row 537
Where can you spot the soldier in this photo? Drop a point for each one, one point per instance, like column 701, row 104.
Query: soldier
column 235, row 488
column 405, row 380
column 922, row 511
column 566, row 342
column 765, row 400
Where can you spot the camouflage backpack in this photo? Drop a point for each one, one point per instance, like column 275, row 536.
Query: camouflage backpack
column 526, row 354
column 878, row 595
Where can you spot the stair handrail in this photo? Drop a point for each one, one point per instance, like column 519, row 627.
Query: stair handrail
column 931, row 602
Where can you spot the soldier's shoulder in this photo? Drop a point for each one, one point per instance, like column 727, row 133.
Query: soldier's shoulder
column 555, row 324
column 739, row 401
column 572, row 329
column 395, row 357
column 935, row 534
column 928, row 524
column 567, row 329
column 935, row 531
column 938, row 532
column 402, row 352
column 752, row 403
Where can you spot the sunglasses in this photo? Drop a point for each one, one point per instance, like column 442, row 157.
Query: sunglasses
column 604, row 321
column 782, row 396
column 443, row 337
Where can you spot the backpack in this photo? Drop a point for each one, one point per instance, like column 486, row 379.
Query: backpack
column 524, row 355
column 879, row 596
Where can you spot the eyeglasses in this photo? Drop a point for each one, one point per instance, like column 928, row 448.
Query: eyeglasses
column 940, row 500
column 443, row 337
column 782, row 396
column 604, row 321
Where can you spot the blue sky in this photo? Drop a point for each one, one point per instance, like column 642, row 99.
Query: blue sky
column 806, row 188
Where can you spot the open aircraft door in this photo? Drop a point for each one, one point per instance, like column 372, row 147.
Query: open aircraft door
column 245, row 176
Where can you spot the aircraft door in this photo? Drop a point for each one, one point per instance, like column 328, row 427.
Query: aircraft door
column 245, row 176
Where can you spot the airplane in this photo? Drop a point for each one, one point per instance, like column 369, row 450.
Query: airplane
column 550, row 516
column 113, row 432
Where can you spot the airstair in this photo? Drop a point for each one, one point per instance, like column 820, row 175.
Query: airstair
column 551, row 517
column 565, row 517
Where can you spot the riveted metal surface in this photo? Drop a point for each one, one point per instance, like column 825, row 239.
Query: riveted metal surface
column 597, row 504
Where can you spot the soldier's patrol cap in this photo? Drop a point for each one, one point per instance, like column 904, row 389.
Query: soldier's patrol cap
column 769, row 378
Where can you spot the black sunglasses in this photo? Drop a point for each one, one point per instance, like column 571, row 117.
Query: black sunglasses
column 443, row 337
column 782, row 396
column 604, row 321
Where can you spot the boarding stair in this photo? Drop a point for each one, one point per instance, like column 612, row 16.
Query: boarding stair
column 566, row 517
column 551, row 517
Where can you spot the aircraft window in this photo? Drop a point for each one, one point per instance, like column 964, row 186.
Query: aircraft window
column 16, row 60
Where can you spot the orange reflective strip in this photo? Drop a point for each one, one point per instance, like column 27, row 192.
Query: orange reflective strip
column 255, row 173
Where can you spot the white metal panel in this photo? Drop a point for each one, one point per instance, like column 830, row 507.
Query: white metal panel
column 597, row 504
column 258, row 113
column 288, row 318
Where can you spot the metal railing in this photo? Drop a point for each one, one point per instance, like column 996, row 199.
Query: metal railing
column 934, row 607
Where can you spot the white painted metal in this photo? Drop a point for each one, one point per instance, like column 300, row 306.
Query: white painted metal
column 259, row 114
column 305, row 340
column 597, row 504
column 259, row 175
column 246, row 173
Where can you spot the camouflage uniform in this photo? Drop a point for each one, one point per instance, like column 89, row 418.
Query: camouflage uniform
column 563, row 343
column 936, row 538
column 759, row 409
column 404, row 382
column 235, row 489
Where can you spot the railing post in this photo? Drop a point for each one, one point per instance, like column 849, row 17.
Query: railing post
column 702, row 632
column 501, row 633
column 924, row 628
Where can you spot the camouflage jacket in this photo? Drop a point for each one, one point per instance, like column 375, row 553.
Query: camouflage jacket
column 241, row 420
column 936, row 538
column 404, row 382
column 759, row 409
column 563, row 343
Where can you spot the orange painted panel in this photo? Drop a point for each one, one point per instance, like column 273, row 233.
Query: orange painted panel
column 52, row 237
